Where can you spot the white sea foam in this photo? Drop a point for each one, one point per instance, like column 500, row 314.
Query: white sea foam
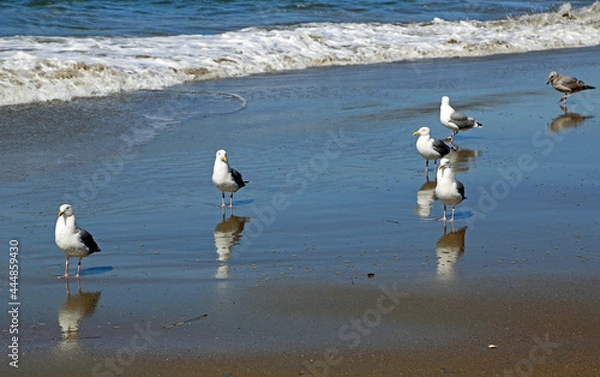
column 59, row 68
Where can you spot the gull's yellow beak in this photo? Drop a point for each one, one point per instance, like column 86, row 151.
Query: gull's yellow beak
column 416, row 133
column 225, row 158
column 441, row 167
column 61, row 213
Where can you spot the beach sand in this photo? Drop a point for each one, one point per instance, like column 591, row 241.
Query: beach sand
column 335, row 262
column 535, row 326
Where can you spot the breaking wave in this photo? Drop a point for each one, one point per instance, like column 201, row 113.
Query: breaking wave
column 62, row 68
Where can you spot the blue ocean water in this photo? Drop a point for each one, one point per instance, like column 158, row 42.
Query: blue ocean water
column 60, row 50
column 162, row 18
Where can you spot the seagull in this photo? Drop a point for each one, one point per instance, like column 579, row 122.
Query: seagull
column 567, row 84
column 448, row 190
column 454, row 120
column 225, row 178
column 430, row 148
column 72, row 240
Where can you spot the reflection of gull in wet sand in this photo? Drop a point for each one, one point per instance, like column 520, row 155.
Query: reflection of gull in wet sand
column 425, row 198
column 448, row 249
column 448, row 190
column 222, row 272
column 566, row 84
column 430, row 148
column 73, row 311
column 454, row 120
column 463, row 159
column 72, row 240
column 566, row 121
column 225, row 178
column 228, row 233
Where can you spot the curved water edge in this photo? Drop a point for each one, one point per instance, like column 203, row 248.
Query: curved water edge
column 34, row 69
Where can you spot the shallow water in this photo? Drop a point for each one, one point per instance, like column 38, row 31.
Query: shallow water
column 327, row 158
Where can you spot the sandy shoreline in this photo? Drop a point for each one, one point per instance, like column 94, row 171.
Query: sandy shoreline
column 162, row 298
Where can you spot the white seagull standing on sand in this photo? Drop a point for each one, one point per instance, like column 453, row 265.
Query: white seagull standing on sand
column 225, row 178
column 72, row 240
column 448, row 190
column 567, row 84
column 454, row 120
column 430, row 148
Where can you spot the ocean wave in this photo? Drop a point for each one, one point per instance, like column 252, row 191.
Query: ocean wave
column 62, row 68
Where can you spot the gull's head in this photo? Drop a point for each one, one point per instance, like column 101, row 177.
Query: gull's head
column 222, row 155
column 65, row 210
column 551, row 77
column 423, row 131
column 445, row 100
column 445, row 163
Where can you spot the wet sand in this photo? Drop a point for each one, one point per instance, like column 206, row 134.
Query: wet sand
column 338, row 217
column 534, row 326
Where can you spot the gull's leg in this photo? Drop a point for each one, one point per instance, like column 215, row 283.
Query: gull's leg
column 564, row 99
column 231, row 200
column 567, row 96
column 222, row 199
column 78, row 268
column 451, row 137
column 66, row 275
column 444, row 218
column 452, row 219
